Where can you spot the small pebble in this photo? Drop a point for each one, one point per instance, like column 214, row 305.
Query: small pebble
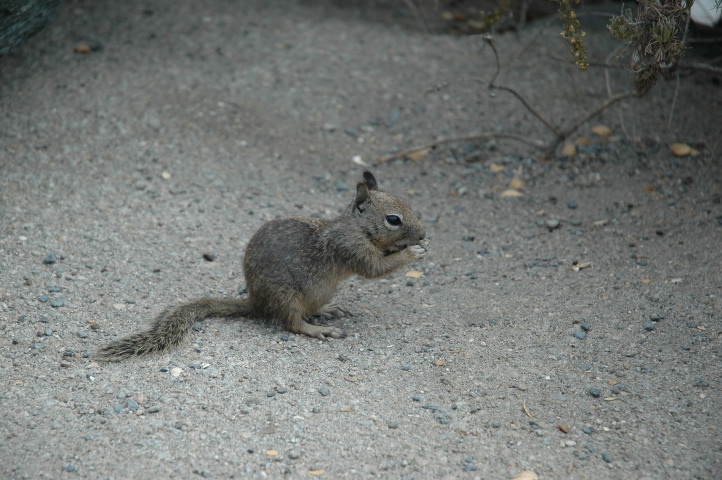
column 406, row 367
column 552, row 224
column 585, row 367
column 393, row 117
column 197, row 326
column 580, row 334
column 341, row 186
column 656, row 316
column 649, row 326
column 585, row 326
column 50, row 259
column 324, row 391
column 294, row 455
column 571, row 204
column 70, row 468
column 606, row 458
column 132, row 404
column 43, row 298
column 595, row 392
column 57, row 302
column 209, row 257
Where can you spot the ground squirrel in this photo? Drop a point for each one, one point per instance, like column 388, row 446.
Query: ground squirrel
column 292, row 267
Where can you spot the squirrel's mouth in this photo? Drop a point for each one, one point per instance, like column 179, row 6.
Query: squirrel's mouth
column 397, row 247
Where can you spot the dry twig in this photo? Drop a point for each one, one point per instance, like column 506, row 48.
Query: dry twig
column 559, row 134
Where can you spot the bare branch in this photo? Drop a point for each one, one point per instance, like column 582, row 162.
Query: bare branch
column 470, row 138
column 590, row 115
column 701, row 67
column 489, row 40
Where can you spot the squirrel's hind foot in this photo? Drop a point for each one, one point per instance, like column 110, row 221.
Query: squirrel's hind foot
column 330, row 311
column 316, row 331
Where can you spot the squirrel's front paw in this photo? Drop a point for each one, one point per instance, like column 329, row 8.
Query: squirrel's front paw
column 419, row 251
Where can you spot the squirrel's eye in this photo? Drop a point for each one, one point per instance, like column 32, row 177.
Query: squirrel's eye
column 393, row 220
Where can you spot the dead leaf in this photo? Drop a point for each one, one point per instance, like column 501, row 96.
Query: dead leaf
column 496, row 168
column 583, row 141
column 509, row 193
column 418, row 154
column 601, row 131
column 612, row 382
column 414, row 274
column 272, row 453
column 316, row 473
column 580, row 266
column 569, row 150
column 516, row 184
column 526, row 475
column 439, row 362
column 82, row 48
column 646, row 281
column 682, row 150
column 563, row 428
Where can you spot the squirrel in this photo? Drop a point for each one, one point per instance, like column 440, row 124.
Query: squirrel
column 292, row 266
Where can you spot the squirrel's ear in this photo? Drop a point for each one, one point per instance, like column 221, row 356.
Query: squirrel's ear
column 362, row 196
column 370, row 181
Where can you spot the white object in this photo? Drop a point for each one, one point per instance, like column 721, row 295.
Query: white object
column 706, row 12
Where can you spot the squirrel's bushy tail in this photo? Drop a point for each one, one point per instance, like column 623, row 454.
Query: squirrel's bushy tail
column 171, row 328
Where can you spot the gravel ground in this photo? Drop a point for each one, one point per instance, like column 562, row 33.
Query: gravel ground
column 572, row 329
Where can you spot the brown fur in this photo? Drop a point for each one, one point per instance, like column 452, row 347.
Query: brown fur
column 292, row 267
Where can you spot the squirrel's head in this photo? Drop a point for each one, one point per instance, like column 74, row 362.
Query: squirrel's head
column 386, row 220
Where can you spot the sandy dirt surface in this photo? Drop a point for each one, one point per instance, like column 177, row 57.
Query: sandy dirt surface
column 572, row 329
